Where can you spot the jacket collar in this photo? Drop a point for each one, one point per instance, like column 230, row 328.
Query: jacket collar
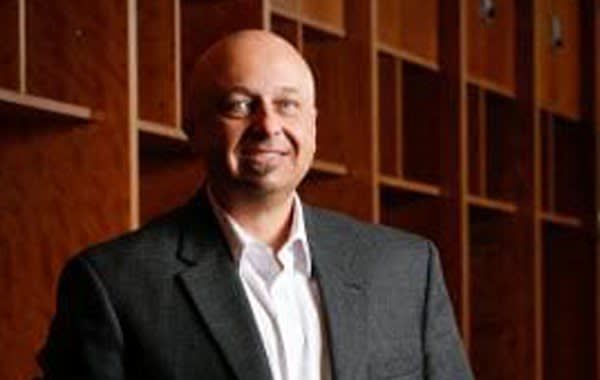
column 217, row 293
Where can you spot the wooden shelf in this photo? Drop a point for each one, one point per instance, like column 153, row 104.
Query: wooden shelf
column 410, row 186
column 155, row 137
column 284, row 12
column 502, row 206
column 314, row 27
column 329, row 168
column 407, row 56
column 561, row 219
column 491, row 87
column 18, row 106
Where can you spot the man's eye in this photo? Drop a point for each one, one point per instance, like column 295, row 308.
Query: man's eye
column 237, row 107
column 288, row 107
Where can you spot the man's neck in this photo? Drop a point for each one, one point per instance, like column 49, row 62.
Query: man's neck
column 267, row 218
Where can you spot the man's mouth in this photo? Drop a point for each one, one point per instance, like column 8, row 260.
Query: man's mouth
column 258, row 151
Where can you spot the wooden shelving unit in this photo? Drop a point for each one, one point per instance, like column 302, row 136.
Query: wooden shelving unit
column 416, row 187
column 22, row 107
column 472, row 123
column 492, row 204
column 25, row 94
column 64, row 150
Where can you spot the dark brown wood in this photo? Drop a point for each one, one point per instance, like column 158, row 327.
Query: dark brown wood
column 409, row 27
column 156, row 61
column 560, row 66
column 345, row 104
column 454, row 243
column 569, row 312
column 422, row 124
column 492, row 43
column 64, row 185
column 286, row 28
column 499, row 305
column 324, row 15
column 390, row 142
column 9, row 44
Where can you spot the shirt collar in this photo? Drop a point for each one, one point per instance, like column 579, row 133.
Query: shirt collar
column 241, row 241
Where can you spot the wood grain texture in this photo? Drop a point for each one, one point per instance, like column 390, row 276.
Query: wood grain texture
column 390, row 149
column 505, row 146
column 63, row 187
column 570, row 304
column 560, row 67
column 156, row 61
column 501, row 299
column 492, row 54
column 287, row 28
column 9, row 44
column 410, row 26
column 167, row 180
column 329, row 12
column 345, row 106
column 422, row 124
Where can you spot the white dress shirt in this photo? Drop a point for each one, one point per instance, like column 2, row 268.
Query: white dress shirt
column 283, row 296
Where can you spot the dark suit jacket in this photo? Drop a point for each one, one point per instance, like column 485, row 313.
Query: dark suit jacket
column 165, row 302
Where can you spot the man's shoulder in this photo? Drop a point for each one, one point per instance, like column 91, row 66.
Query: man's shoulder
column 374, row 235
column 336, row 221
column 155, row 240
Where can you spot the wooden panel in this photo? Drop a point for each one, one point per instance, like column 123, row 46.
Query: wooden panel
column 567, row 163
column 505, row 178
column 568, row 60
column 287, row 7
column 560, row 69
column 390, row 151
column 419, row 28
column 156, row 61
column 573, row 164
column 389, row 31
column 501, row 298
column 548, row 163
column 569, row 305
column 345, row 121
column 63, row 187
column 9, row 44
column 328, row 13
column 409, row 26
column 62, row 63
column 326, row 58
column 491, row 43
column 477, row 140
column 16, row 106
column 421, row 121
column 167, row 180
column 414, row 212
column 286, row 28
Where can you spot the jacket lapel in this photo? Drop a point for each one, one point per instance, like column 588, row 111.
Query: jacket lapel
column 217, row 293
column 339, row 274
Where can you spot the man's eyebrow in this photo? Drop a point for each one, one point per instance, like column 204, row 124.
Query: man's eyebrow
column 238, row 90
column 288, row 90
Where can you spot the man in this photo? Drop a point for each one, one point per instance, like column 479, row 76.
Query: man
column 245, row 281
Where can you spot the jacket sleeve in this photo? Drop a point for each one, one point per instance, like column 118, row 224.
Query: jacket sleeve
column 445, row 357
column 85, row 340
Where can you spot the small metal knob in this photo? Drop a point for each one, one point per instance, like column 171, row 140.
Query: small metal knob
column 557, row 32
column 487, row 10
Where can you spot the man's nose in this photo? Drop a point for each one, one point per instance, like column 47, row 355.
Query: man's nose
column 267, row 121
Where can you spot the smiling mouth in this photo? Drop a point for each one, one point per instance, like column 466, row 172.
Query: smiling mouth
column 257, row 152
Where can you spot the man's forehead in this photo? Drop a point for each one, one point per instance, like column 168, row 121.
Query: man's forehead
column 259, row 57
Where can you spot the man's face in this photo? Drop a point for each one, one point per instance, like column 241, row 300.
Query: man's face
column 260, row 120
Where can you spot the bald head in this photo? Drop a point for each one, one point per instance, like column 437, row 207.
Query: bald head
column 231, row 58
